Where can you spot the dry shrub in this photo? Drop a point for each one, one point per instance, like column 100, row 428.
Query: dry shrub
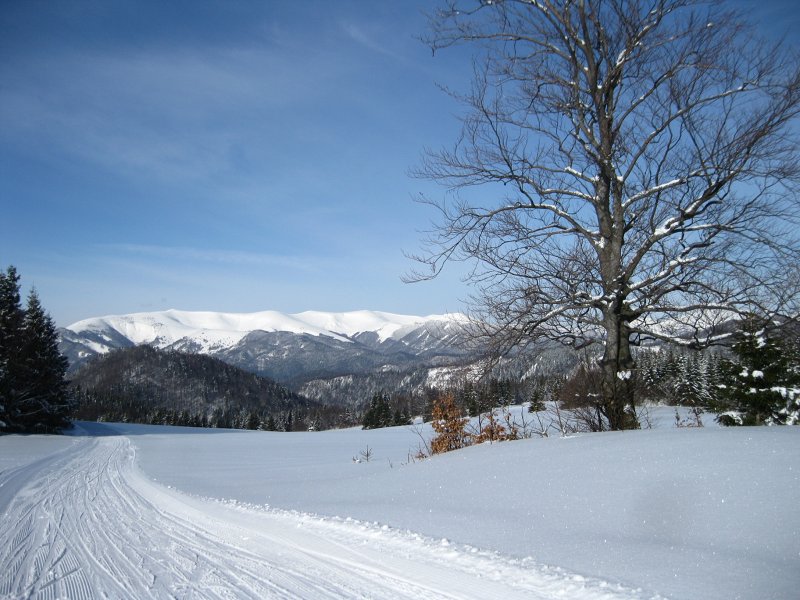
column 449, row 425
column 493, row 430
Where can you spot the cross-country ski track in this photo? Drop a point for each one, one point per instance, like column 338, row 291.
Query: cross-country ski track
column 85, row 522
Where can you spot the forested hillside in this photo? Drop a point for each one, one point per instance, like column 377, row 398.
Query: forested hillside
column 146, row 385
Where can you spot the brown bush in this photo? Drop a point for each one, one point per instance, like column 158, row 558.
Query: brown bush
column 493, row 430
column 449, row 425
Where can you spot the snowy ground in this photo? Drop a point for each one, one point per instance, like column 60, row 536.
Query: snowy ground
column 128, row 511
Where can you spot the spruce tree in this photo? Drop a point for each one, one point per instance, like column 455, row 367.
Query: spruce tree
column 762, row 384
column 11, row 323
column 537, row 399
column 47, row 403
column 385, row 416
column 33, row 391
column 369, row 421
column 253, row 421
column 379, row 413
column 400, row 418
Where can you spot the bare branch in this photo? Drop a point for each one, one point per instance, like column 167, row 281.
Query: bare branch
column 639, row 171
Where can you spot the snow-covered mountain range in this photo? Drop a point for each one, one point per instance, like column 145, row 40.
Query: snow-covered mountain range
column 291, row 348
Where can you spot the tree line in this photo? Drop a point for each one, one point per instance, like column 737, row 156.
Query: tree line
column 754, row 381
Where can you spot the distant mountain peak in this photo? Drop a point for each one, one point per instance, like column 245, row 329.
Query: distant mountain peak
column 164, row 328
column 283, row 346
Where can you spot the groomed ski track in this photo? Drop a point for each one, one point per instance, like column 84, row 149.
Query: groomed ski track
column 87, row 523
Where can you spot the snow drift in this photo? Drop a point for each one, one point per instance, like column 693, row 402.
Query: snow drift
column 677, row 513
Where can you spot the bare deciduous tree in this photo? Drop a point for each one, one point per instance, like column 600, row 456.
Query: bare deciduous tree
column 638, row 164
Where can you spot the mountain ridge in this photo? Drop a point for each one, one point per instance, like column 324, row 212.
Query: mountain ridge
column 290, row 348
column 169, row 326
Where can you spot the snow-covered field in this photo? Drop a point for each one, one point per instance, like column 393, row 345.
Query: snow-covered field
column 127, row 511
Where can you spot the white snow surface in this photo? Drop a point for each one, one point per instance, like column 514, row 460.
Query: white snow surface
column 130, row 511
column 215, row 329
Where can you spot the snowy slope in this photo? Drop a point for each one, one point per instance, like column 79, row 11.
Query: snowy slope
column 214, row 330
column 664, row 513
column 86, row 523
column 290, row 348
column 211, row 332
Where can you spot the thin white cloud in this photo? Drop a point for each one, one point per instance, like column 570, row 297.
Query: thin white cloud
column 218, row 256
column 361, row 37
column 168, row 115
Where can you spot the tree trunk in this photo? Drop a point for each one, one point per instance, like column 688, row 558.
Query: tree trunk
column 618, row 372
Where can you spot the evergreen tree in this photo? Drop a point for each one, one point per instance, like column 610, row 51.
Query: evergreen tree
column 762, row 384
column 537, row 399
column 45, row 403
column 368, row 421
column 253, row 421
column 469, row 397
column 11, row 321
column 33, row 390
column 379, row 413
column 401, row 418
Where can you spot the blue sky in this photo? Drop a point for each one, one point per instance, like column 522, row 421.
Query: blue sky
column 230, row 156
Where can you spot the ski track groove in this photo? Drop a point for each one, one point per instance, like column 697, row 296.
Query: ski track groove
column 85, row 524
